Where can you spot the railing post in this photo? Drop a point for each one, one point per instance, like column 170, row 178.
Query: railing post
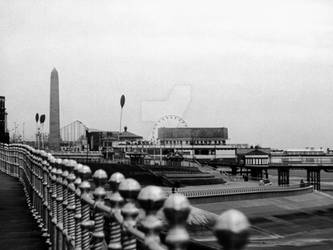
column 71, row 203
column 54, row 208
column 129, row 189
column 46, row 206
column 176, row 210
column 232, row 230
column 78, row 173
column 86, row 223
column 33, row 185
column 60, row 211
column 99, row 193
column 51, row 214
column 116, row 201
column 28, row 179
column 40, row 192
column 64, row 185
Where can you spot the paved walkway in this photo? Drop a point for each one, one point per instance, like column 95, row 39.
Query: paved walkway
column 270, row 206
column 18, row 230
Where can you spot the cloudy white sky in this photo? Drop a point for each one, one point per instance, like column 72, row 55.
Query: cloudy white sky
column 262, row 68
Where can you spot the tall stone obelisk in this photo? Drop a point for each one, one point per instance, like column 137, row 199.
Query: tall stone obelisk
column 54, row 130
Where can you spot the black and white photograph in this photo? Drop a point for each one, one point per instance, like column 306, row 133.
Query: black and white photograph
column 166, row 125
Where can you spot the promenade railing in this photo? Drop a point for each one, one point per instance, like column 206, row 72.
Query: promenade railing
column 73, row 214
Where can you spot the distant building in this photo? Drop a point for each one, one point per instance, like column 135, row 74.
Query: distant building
column 255, row 160
column 193, row 136
column 108, row 140
column 308, row 155
column 250, row 157
column 202, row 144
column 207, row 145
column 4, row 135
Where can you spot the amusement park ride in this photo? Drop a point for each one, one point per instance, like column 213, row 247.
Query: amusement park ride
column 167, row 121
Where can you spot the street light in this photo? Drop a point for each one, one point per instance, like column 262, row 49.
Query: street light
column 37, row 119
column 39, row 135
column 122, row 103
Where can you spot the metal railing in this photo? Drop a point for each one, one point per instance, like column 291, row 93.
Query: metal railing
column 72, row 216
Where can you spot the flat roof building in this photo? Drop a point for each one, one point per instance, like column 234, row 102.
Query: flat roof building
column 193, row 136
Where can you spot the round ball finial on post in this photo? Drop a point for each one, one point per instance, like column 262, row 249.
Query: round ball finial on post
column 85, row 175
column 176, row 210
column 129, row 189
column 232, row 230
column 100, row 178
column 151, row 199
column 115, row 181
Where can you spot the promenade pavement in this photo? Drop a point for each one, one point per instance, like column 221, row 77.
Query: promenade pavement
column 18, row 230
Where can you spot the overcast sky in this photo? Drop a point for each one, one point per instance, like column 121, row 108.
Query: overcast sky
column 264, row 69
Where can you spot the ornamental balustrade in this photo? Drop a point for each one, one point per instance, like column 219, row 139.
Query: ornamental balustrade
column 73, row 213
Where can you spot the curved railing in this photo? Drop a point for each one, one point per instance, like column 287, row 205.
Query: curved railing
column 72, row 216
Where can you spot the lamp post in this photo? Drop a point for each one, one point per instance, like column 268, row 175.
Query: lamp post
column 42, row 120
column 37, row 129
column 122, row 103
column 39, row 135
column 88, row 146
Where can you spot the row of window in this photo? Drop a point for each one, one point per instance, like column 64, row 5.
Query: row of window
column 194, row 142
column 256, row 161
column 307, row 160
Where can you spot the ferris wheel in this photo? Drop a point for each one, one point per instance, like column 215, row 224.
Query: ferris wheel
column 167, row 121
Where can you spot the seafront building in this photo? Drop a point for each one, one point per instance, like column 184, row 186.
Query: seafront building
column 199, row 144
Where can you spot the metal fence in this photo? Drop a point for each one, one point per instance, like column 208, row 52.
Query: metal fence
column 72, row 216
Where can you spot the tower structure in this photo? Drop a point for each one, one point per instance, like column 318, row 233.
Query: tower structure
column 54, row 130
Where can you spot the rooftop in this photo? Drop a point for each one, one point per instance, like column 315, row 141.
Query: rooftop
column 219, row 133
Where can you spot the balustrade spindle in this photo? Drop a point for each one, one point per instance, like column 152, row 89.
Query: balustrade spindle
column 176, row 210
column 37, row 190
column 51, row 161
column 71, row 201
column 129, row 189
column 78, row 173
column 64, row 185
column 116, row 201
column 27, row 177
column 151, row 199
column 99, row 193
column 86, row 223
column 33, row 187
column 54, row 207
column 59, row 200
column 45, row 230
column 40, row 192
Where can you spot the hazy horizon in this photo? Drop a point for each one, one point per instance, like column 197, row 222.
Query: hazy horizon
column 261, row 68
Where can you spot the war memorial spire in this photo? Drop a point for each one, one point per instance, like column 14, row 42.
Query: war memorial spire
column 54, row 130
